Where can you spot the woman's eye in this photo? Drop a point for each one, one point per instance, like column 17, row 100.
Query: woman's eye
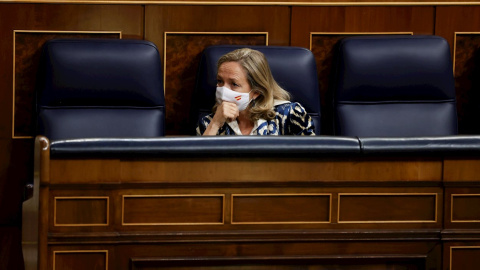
column 234, row 84
column 219, row 82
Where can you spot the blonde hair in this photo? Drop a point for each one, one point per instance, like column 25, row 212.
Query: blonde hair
column 260, row 79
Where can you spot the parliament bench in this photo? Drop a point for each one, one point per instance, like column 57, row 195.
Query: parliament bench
column 258, row 203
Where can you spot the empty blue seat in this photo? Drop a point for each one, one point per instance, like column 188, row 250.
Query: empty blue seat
column 394, row 86
column 100, row 88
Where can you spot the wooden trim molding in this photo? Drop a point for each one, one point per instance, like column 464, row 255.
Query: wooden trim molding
column 451, row 208
column 221, row 212
column 329, row 195
column 386, row 195
column 459, row 247
column 251, row 3
column 56, row 224
column 81, row 251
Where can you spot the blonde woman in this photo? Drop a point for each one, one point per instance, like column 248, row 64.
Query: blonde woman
column 250, row 102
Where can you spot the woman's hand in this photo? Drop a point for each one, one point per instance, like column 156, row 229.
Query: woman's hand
column 227, row 111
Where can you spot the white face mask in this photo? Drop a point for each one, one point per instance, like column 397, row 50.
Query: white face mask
column 241, row 99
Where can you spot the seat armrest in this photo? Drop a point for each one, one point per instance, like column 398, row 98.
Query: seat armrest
column 422, row 146
column 223, row 146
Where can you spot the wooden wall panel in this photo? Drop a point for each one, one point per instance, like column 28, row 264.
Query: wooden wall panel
column 466, row 57
column 80, row 259
column 81, row 211
column 182, row 61
column 461, row 257
column 419, row 20
column 450, row 20
column 461, row 170
column 268, row 170
column 281, row 208
column 172, row 209
column 272, row 19
column 350, row 21
column 461, row 208
column 85, row 211
column 385, row 208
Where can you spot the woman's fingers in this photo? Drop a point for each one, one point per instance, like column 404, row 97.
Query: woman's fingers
column 230, row 110
column 227, row 111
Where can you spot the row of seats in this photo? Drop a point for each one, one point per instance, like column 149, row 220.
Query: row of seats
column 398, row 86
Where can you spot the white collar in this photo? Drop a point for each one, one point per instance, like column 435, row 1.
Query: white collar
column 234, row 125
column 277, row 102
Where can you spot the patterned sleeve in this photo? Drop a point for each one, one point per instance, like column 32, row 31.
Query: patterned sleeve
column 203, row 124
column 299, row 122
column 205, row 121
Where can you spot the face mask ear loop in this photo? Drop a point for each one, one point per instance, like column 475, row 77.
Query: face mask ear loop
column 252, row 100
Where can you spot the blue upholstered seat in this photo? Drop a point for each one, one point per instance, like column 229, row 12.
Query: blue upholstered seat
column 293, row 68
column 394, row 86
column 100, row 88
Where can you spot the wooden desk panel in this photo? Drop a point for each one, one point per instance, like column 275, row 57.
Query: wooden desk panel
column 260, row 213
column 251, row 170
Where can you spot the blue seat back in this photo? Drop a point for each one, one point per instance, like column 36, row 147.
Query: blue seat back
column 100, row 88
column 394, row 86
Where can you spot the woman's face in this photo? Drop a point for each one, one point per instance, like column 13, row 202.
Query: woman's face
column 233, row 76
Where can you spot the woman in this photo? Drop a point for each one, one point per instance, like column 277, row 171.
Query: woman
column 250, row 102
